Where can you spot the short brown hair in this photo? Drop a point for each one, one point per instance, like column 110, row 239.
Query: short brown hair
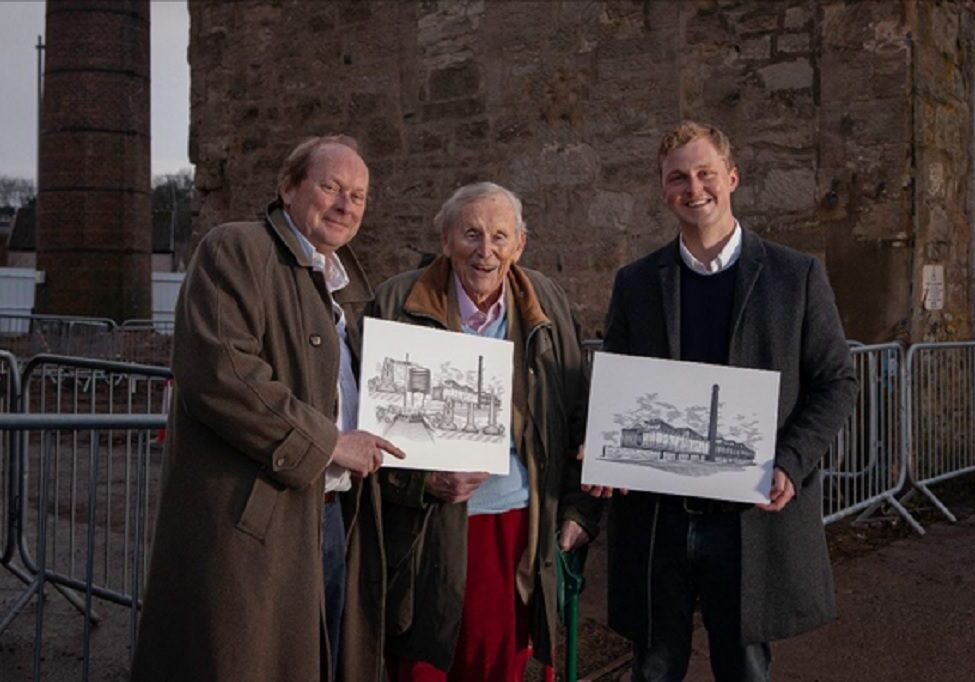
column 295, row 167
column 687, row 132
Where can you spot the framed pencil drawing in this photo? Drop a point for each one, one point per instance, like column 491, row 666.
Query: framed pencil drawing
column 442, row 397
column 681, row 428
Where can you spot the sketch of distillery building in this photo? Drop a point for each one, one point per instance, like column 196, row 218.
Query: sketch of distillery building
column 655, row 440
column 417, row 408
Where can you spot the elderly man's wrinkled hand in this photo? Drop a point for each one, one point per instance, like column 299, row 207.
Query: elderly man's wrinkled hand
column 572, row 535
column 454, row 486
column 362, row 452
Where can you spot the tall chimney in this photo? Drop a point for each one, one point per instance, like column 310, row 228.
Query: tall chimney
column 713, row 424
column 94, row 229
column 480, row 377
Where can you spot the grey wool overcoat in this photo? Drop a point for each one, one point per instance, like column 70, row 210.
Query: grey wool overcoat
column 784, row 318
column 235, row 587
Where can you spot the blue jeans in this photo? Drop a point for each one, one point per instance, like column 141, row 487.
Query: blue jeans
column 333, row 565
column 697, row 556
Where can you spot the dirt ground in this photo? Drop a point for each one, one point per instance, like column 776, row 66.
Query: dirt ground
column 602, row 654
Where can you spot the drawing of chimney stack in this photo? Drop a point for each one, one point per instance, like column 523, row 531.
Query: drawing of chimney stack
column 713, row 425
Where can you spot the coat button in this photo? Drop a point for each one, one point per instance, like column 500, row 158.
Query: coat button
column 315, row 340
column 280, row 462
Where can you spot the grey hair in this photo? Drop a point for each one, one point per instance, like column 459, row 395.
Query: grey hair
column 468, row 193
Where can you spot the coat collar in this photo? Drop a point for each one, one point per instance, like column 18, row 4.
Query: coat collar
column 429, row 295
column 358, row 289
column 749, row 266
column 669, row 282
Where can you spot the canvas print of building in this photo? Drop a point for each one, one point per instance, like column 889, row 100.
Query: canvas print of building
column 442, row 397
column 681, row 428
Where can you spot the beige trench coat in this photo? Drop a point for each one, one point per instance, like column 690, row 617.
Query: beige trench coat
column 235, row 584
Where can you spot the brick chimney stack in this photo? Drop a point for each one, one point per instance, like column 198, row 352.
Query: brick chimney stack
column 94, row 238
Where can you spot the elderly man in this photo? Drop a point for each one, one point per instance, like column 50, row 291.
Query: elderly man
column 720, row 294
column 262, row 437
column 472, row 557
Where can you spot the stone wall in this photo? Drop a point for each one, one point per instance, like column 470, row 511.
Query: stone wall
column 835, row 107
column 945, row 106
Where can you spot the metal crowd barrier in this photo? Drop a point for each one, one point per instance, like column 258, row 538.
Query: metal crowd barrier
column 139, row 341
column 940, row 390
column 145, row 341
column 9, row 393
column 867, row 464
column 86, row 491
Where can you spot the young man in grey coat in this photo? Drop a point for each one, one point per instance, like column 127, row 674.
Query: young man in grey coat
column 720, row 294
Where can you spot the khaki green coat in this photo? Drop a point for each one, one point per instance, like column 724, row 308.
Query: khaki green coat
column 425, row 538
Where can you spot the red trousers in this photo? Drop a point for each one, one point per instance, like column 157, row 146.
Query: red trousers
column 494, row 632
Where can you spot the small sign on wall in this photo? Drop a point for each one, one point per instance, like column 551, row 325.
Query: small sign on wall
column 933, row 287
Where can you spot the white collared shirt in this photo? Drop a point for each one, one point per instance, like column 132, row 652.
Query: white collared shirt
column 473, row 317
column 727, row 257
column 336, row 477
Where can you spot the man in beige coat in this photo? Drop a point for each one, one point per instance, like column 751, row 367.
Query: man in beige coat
column 262, row 438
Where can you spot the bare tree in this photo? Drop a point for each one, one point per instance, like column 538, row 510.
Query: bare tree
column 16, row 192
column 171, row 194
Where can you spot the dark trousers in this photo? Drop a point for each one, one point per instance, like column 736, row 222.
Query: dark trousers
column 333, row 563
column 697, row 556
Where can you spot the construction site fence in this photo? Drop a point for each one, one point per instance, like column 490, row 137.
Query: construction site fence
column 137, row 341
column 81, row 440
column 939, row 387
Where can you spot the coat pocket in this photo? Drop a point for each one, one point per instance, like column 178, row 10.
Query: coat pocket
column 259, row 507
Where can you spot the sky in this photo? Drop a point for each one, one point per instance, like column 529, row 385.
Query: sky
column 20, row 24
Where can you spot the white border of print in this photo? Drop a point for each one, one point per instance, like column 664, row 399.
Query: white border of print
column 442, row 397
column 665, row 406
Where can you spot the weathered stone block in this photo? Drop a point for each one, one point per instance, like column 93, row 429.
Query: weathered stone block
column 788, row 190
column 422, row 140
column 472, row 135
column 610, row 210
column 707, row 27
column 556, row 165
column 758, row 18
column 852, row 25
column 382, row 138
column 455, row 109
column 796, row 17
column 756, row 48
column 791, row 75
column 455, row 81
column 791, row 43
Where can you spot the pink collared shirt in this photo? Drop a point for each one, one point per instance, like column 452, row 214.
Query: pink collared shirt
column 473, row 317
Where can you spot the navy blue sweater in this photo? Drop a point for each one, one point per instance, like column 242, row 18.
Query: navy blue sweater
column 705, row 314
